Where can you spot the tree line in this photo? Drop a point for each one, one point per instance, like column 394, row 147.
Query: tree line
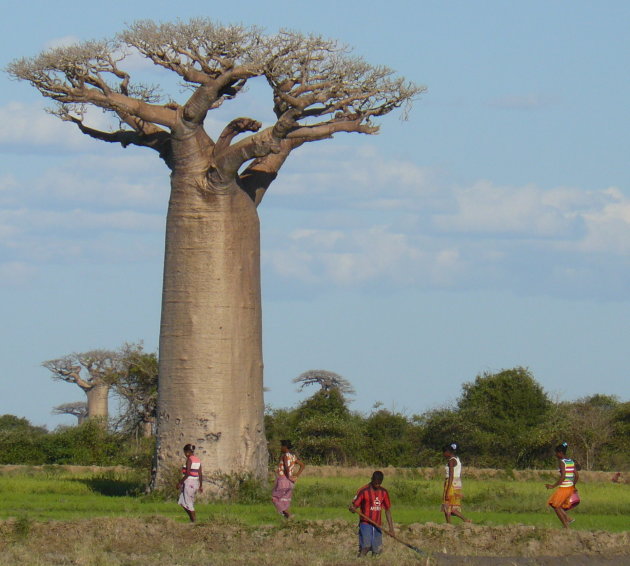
column 501, row 420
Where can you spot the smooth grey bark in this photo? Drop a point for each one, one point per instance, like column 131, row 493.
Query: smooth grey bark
column 98, row 401
column 210, row 388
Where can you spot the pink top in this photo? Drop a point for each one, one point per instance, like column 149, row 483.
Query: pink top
column 195, row 466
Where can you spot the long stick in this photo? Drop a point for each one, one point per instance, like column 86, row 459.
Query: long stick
column 414, row 548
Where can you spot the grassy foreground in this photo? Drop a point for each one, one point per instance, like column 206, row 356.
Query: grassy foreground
column 64, row 493
column 93, row 517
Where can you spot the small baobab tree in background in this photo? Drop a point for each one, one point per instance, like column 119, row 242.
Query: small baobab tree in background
column 94, row 372
column 78, row 409
column 326, row 430
column 210, row 369
column 327, row 381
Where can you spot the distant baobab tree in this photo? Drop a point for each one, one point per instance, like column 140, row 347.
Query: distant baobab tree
column 93, row 371
column 210, row 362
column 327, row 381
column 78, row 409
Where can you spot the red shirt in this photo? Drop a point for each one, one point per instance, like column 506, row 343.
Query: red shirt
column 370, row 501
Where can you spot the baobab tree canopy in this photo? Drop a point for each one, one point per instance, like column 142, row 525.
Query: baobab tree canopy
column 327, row 381
column 317, row 88
column 210, row 374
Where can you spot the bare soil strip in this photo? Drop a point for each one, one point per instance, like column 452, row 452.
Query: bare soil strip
column 160, row 542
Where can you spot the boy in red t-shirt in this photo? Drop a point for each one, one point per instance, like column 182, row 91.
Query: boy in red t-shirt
column 369, row 501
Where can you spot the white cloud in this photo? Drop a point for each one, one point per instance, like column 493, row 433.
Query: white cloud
column 350, row 218
column 608, row 228
column 28, row 125
column 344, row 174
column 359, row 257
column 417, row 232
column 103, row 185
column 113, row 180
column 528, row 211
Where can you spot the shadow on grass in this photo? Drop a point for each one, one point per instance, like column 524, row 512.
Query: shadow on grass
column 114, row 487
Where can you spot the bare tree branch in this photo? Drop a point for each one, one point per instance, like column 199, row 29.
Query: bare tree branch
column 220, row 59
column 318, row 91
column 86, row 369
column 315, row 78
column 78, row 74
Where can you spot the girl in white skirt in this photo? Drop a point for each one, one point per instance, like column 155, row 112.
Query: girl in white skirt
column 191, row 481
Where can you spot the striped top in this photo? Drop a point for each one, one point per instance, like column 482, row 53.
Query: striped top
column 195, row 466
column 569, row 473
column 291, row 459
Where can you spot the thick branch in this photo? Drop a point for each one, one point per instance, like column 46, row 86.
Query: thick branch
column 257, row 178
column 235, row 127
column 66, row 369
column 151, row 137
column 327, row 129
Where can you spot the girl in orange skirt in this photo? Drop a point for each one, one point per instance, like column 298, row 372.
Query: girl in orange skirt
column 560, row 500
column 452, row 498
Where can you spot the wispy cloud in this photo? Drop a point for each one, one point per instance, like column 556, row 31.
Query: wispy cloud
column 112, row 179
column 347, row 218
column 28, row 128
column 392, row 229
column 529, row 211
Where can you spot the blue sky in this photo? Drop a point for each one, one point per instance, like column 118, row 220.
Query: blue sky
column 490, row 230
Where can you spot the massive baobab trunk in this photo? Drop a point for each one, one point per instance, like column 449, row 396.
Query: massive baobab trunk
column 210, row 388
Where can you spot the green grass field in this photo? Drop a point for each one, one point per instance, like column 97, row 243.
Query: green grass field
column 53, row 493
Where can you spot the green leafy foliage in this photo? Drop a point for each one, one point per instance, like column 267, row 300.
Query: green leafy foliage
column 391, row 438
column 89, row 444
column 501, row 420
column 504, row 415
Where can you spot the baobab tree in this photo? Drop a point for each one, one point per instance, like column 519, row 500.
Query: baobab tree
column 327, row 381
column 210, row 366
column 78, row 409
column 94, row 372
